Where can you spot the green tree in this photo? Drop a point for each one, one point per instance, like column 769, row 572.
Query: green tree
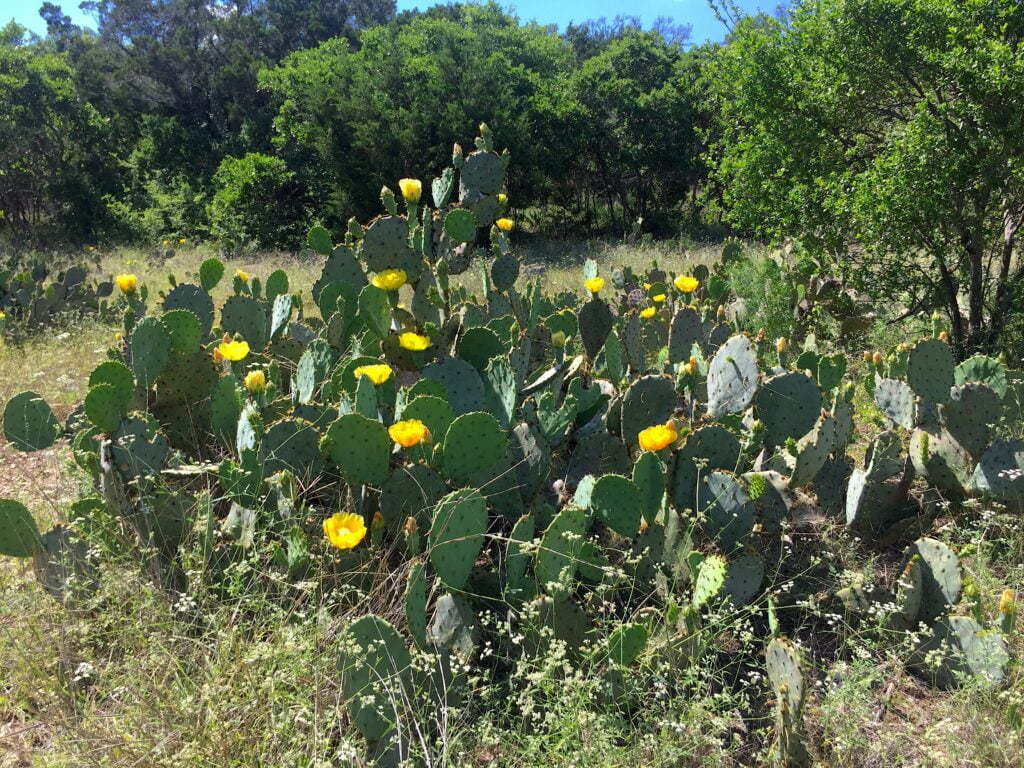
column 888, row 136
column 49, row 138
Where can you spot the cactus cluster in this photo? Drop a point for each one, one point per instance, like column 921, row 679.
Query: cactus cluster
column 34, row 298
column 557, row 442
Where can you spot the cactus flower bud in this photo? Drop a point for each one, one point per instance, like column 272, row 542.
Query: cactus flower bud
column 867, row 355
column 877, row 358
column 256, row 381
column 944, row 336
column 720, row 313
column 457, row 151
column 558, row 339
column 410, row 526
column 1006, row 601
column 761, row 334
column 781, row 345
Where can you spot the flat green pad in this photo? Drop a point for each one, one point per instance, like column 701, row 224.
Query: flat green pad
column 457, row 535
column 359, row 447
column 29, row 424
column 732, row 377
column 19, row 536
column 116, row 374
column 150, row 350
column 788, row 404
column 104, row 407
column 474, row 443
column 375, row 672
column 930, row 370
column 460, row 225
column 616, row 502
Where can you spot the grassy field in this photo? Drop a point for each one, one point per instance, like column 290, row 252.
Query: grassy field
column 139, row 679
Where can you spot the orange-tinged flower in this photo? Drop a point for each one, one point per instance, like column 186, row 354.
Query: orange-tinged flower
column 412, row 341
column 232, row 350
column 687, row 283
column 505, row 225
column 378, row 373
column 389, row 279
column 344, row 530
column 594, row 284
column 127, row 283
column 658, row 437
column 411, row 189
column 1006, row 601
column 409, row 432
column 647, row 312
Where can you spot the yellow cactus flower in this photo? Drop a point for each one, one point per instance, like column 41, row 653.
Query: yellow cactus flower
column 182, row 241
column 658, row 299
column 594, row 284
column 409, row 432
column 411, row 189
column 344, row 530
column 389, row 279
column 502, row 198
column 242, row 275
column 687, row 283
column 781, row 345
column 256, row 381
column 119, row 336
column 414, row 342
column 944, row 336
column 232, row 350
column 648, row 286
column 647, row 313
column 167, row 242
column 1006, row 601
column 3, row 315
column 127, row 283
column 378, row 373
column 658, row 437
column 505, row 225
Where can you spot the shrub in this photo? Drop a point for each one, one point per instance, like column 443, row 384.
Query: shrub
column 257, row 201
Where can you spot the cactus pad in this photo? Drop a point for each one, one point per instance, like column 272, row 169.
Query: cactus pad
column 649, row 400
column 595, row 321
column 29, row 424
column 474, row 443
column 248, row 318
column 461, row 382
column 359, row 447
column 966, row 650
column 560, row 546
column 150, row 349
column 930, row 370
column 971, row 408
column 727, row 510
column 710, row 579
column 940, row 577
column 895, row 399
column 714, row 447
column 291, row 445
column 984, row 370
column 105, row 407
column 19, row 536
column 732, row 377
column 616, row 502
column 457, row 535
column 1000, row 471
column 743, row 577
column 196, row 300
column 788, row 404
column 375, row 670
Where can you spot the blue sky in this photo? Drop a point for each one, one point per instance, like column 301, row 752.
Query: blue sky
column 694, row 12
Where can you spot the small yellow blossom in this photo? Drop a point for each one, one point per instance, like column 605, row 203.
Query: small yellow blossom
column 242, row 275
column 377, row 374
column 256, row 381
column 414, row 342
column 505, row 225
column 409, row 432
column 648, row 286
column 389, row 279
column 182, row 241
column 687, row 283
column 411, row 189
column 1006, row 600
column 344, row 530
column 594, row 284
column 944, row 336
column 658, row 299
column 647, row 313
column 658, row 437
column 502, row 198
column 127, row 283
column 233, row 350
